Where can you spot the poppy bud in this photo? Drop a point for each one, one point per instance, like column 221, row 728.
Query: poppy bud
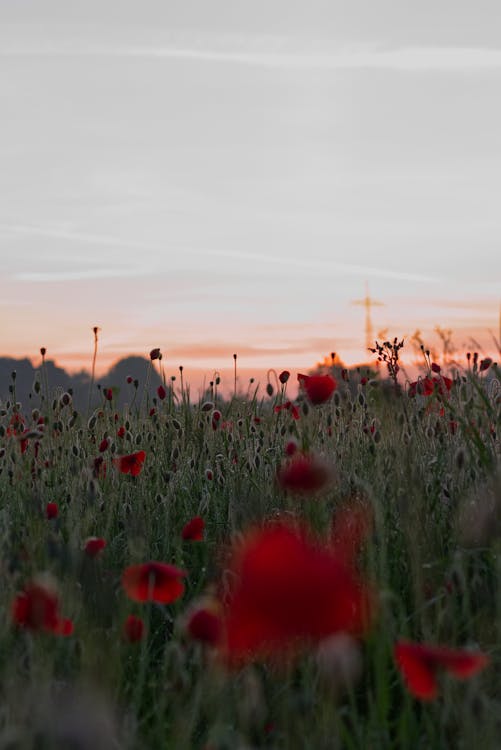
column 155, row 354
column 284, row 376
column 161, row 392
column 269, row 389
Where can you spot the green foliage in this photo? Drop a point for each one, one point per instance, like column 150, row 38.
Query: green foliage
column 428, row 467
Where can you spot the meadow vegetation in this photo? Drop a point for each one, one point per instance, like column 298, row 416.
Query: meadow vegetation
column 258, row 572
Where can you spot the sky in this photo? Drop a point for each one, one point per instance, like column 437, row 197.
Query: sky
column 219, row 176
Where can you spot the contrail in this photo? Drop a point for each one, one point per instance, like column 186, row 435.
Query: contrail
column 307, row 263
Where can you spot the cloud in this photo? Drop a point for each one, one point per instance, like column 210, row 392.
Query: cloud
column 284, row 56
column 307, row 263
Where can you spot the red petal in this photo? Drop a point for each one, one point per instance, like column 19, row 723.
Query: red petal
column 206, row 626
column 134, row 629
column 153, row 581
column 289, row 591
column 194, row 530
column 418, row 673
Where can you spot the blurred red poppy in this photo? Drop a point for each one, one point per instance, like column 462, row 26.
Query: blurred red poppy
column 94, row 545
column 161, row 392
column 289, row 592
column 153, row 582
column 194, row 530
column 131, row 464
column 134, row 629
column 37, row 608
column 304, row 473
column 319, row 388
column 419, row 663
column 426, row 386
column 204, row 624
column 51, row 511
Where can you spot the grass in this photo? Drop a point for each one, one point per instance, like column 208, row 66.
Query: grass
column 428, row 467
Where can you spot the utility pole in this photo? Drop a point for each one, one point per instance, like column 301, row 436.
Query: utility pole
column 368, row 303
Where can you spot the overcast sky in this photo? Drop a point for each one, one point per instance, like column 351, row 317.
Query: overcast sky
column 217, row 175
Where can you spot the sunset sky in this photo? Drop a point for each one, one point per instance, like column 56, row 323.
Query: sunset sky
column 219, row 176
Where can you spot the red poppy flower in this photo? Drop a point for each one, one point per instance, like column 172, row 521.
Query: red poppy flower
column 108, row 394
column 51, row 511
column 121, row 432
column 153, row 582
column 104, row 445
column 37, row 608
column 134, row 629
column 289, row 592
column 94, row 545
column 485, row 364
column 303, row 473
column 194, row 530
column 419, row 664
column 319, row 388
column 426, row 386
column 204, row 624
column 131, row 464
column 161, row 392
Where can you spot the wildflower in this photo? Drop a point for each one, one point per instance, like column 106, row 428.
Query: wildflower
column 134, row 629
column 121, row 432
column 419, row 664
column 155, row 354
column 291, row 448
column 284, row 376
column 204, row 622
column 51, row 511
column 37, row 608
column 319, row 388
column 216, row 416
column 104, row 445
column 108, row 394
column 426, row 386
column 194, row 530
column 161, row 392
column 153, row 582
column 485, row 364
column 94, row 545
column 131, row 464
column 303, row 473
column 289, row 592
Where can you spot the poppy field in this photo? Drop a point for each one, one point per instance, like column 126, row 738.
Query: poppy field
column 261, row 571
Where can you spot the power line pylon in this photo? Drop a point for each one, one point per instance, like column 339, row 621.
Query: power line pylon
column 368, row 303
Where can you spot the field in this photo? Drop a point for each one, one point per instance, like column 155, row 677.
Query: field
column 338, row 585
